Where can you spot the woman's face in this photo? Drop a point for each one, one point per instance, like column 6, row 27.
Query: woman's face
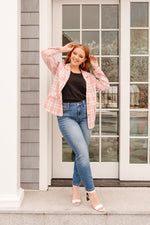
column 77, row 57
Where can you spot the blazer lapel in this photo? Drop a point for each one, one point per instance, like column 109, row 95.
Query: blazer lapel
column 64, row 76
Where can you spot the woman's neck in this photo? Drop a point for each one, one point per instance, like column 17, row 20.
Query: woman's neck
column 75, row 69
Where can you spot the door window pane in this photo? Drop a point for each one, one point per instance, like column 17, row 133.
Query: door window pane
column 139, row 14
column 91, row 38
column 109, row 98
column 110, row 123
column 139, row 41
column 97, row 100
column 138, row 123
column 110, row 43
column 110, row 150
column 94, row 149
column 71, row 17
column 139, row 96
column 91, row 12
column 110, row 16
column 139, row 68
column 138, row 150
column 110, row 66
column 96, row 128
column 71, row 36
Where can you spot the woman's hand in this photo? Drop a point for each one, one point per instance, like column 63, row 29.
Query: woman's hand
column 68, row 47
column 94, row 62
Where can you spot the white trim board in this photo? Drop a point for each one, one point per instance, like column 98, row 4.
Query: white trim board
column 45, row 117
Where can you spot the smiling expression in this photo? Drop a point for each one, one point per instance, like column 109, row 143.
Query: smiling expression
column 77, row 57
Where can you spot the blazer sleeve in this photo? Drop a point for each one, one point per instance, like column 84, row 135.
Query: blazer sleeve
column 48, row 57
column 102, row 82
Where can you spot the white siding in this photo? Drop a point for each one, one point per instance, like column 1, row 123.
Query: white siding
column 30, row 94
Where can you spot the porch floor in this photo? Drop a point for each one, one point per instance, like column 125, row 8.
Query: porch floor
column 122, row 206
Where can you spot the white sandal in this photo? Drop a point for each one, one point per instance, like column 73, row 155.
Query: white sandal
column 76, row 201
column 98, row 207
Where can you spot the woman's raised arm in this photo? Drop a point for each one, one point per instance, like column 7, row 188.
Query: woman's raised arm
column 48, row 56
column 102, row 82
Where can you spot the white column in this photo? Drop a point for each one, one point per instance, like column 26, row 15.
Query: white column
column 11, row 194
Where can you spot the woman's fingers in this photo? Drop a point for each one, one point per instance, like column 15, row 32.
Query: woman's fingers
column 93, row 58
column 93, row 61
column 71, row 45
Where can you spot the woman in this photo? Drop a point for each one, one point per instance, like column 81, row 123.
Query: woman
column 72, row 98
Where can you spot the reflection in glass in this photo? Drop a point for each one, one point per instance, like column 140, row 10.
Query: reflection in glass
column 67, row 153
column 110, row 67
column 109, row 98
column 96, row 128
column 139, row 41
column 70, row 36
column 110, row 150
column 138, row 150
column 93, row 11
column 94, row 149
column 138, row 123
column 110, row 123
column 110, row 16
column 139, row 14
column 139, row 96
column 97, row 100
column 139, row 68
column 110, row 43
column 71, row 17
column 91, row 39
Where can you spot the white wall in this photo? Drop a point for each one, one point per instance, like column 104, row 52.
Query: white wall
column 9, row 100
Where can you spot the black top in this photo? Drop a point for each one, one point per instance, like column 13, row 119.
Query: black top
column 75, row 88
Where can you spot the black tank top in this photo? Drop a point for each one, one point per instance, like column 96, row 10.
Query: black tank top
column 75, row 88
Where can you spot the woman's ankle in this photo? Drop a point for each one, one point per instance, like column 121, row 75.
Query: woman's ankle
column 75, row 186
column 91, row 191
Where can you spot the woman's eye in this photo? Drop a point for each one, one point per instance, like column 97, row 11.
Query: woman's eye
column 81, row 56
column 74, row 53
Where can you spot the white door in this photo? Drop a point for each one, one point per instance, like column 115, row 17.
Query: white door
column 95, row 24
column 134, row 90
column 119, row 143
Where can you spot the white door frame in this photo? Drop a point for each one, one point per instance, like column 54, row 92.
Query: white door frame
column 45, row 160
column 45, row 167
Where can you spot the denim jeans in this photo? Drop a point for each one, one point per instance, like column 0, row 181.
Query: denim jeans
column 73, row 126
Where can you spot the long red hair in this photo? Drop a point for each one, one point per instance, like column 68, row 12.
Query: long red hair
column 84, row 66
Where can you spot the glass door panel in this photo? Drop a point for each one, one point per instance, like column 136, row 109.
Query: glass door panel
column 109, row 46
column 139, row 82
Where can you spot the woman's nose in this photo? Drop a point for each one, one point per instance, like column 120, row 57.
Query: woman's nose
column 76, row 57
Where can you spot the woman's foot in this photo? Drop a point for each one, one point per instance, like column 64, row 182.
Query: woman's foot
column 75, row 195
column 95, row 203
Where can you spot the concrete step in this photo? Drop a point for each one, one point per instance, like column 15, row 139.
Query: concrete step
column 123, row 206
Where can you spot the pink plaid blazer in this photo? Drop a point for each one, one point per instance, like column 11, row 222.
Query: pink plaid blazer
column 94, row 82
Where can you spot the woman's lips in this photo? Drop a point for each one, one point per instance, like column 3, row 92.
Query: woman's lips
column 75, row 61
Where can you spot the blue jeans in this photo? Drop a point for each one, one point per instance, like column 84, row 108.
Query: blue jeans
column 73, row 126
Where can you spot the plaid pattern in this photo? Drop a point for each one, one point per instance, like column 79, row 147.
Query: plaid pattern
column 94, row 82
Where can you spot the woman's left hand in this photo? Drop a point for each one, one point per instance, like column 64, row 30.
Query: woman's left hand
column 94, row 62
